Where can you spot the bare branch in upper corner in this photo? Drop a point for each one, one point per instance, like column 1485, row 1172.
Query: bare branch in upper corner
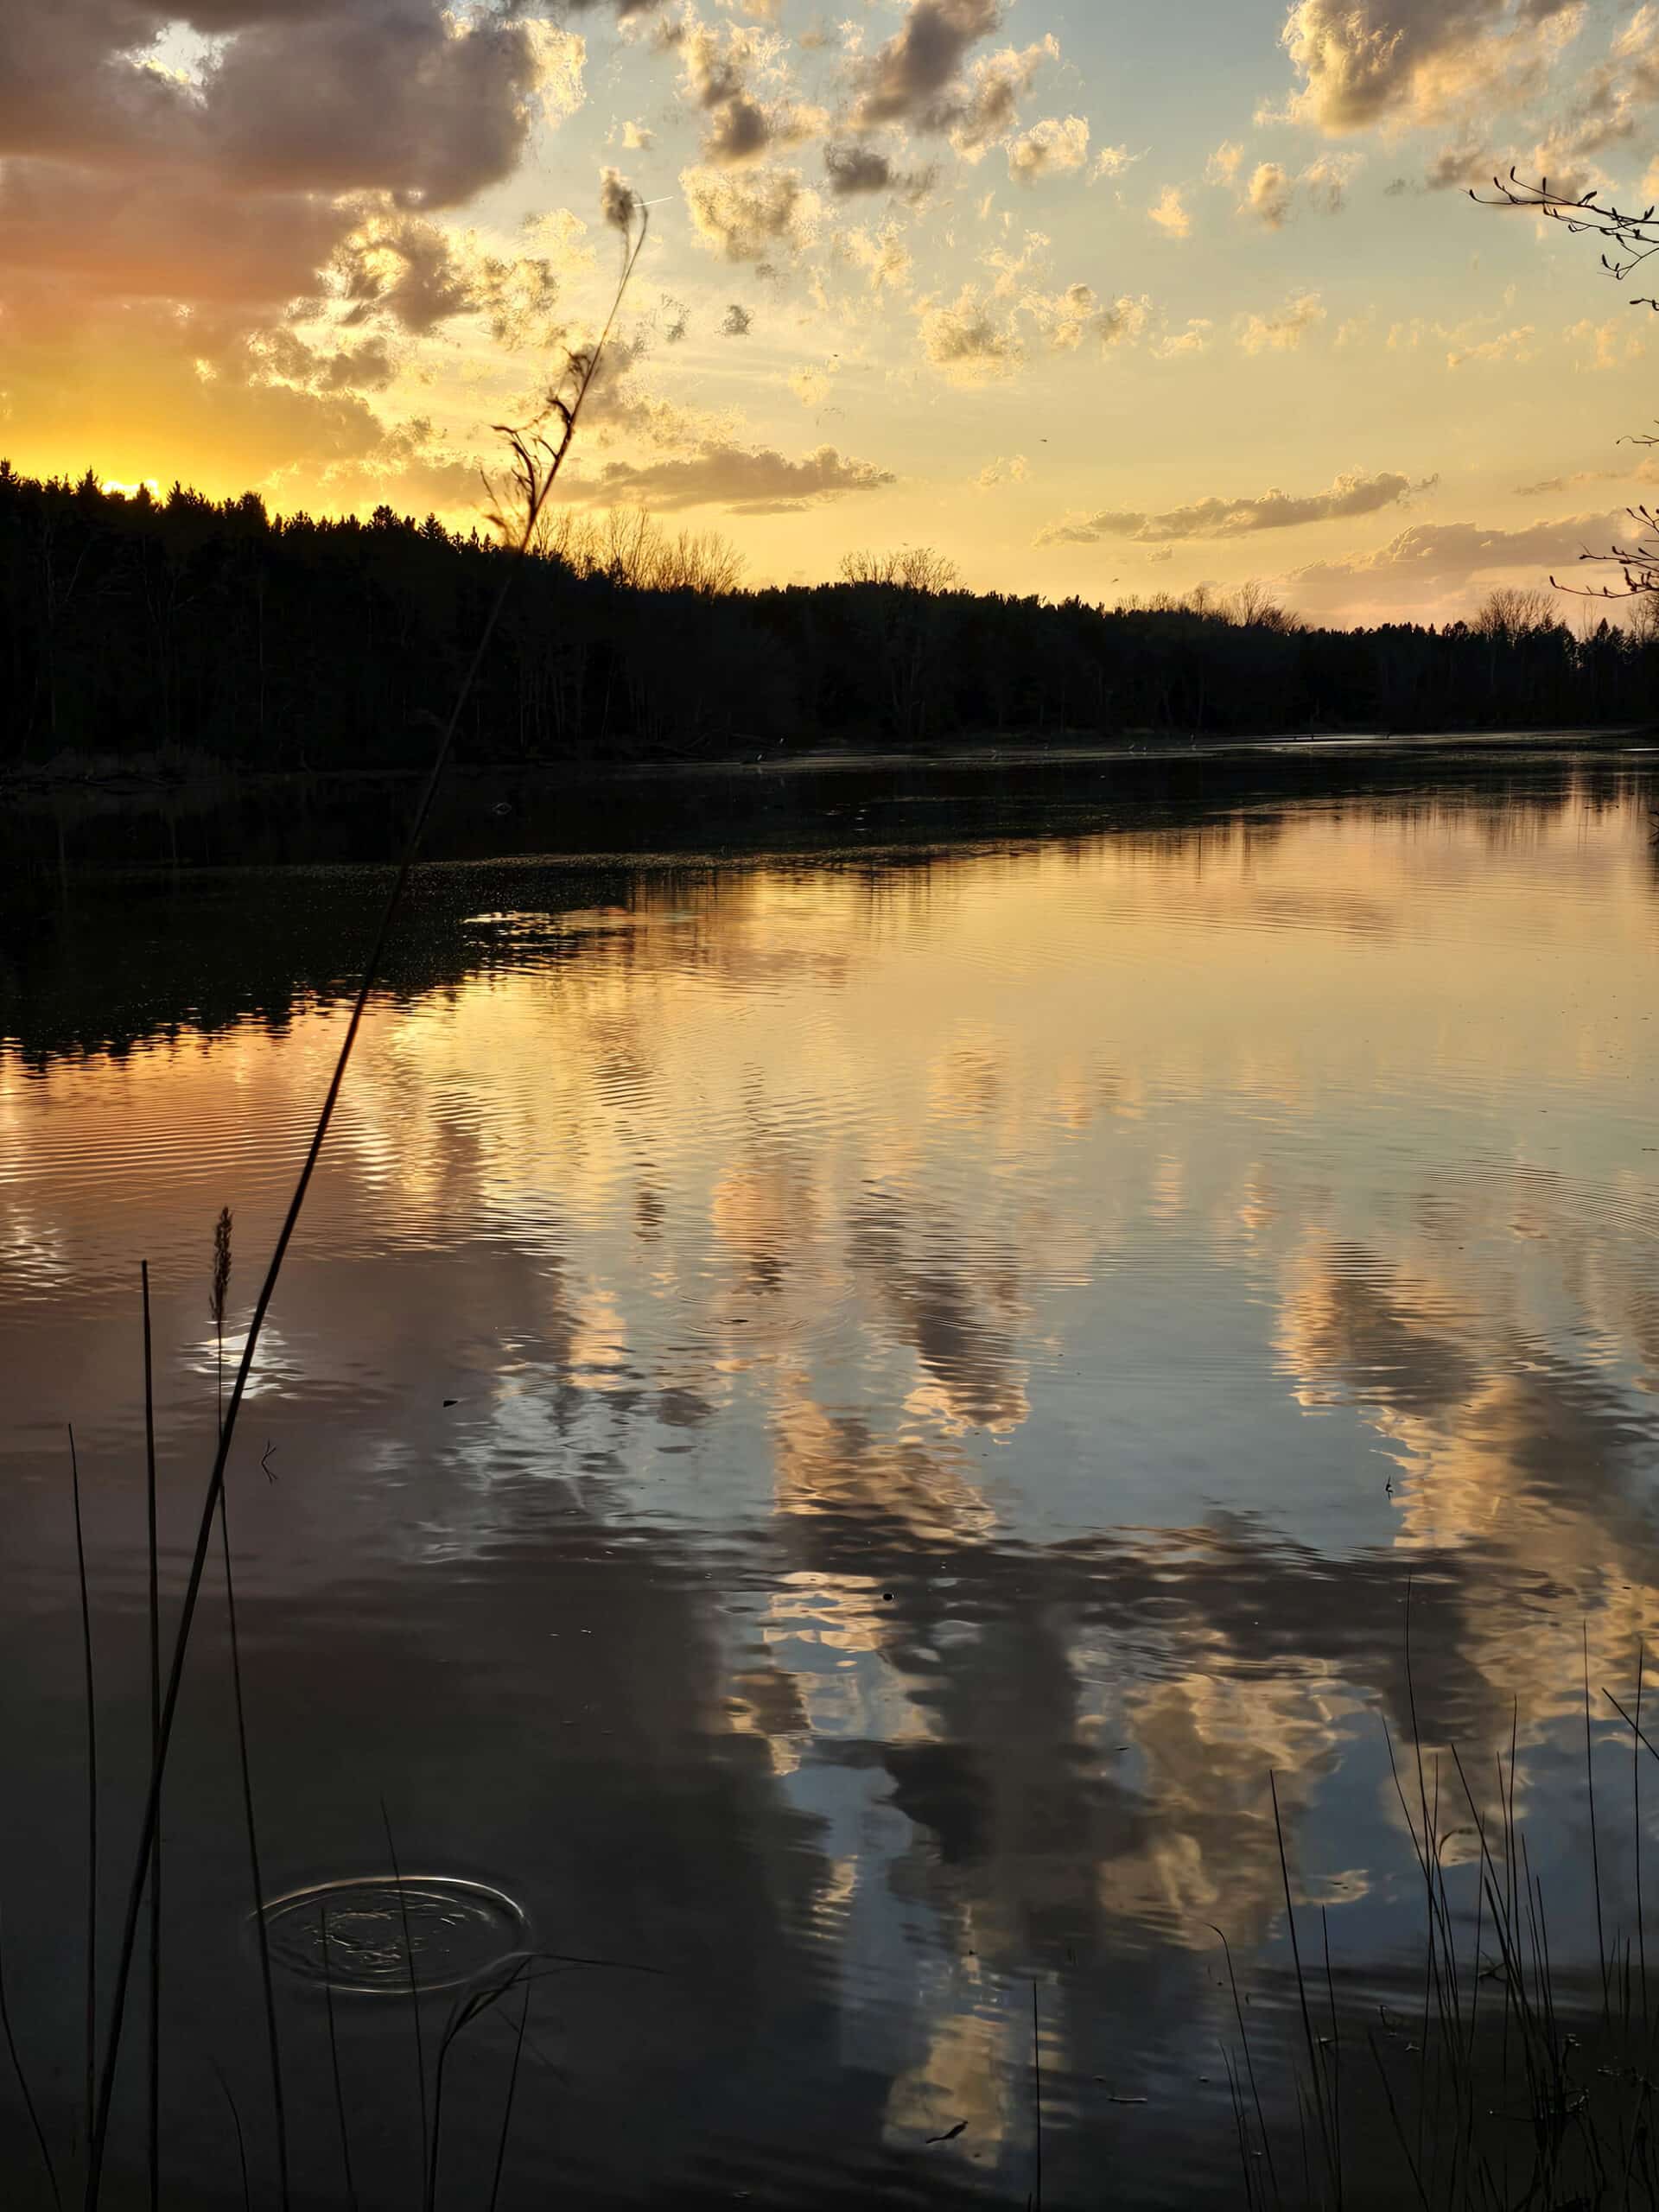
column 1635, row 238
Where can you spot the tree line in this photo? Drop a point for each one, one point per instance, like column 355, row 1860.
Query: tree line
column 134, row 626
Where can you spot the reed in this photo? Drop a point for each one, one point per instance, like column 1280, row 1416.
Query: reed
column 413, row 1990
column 1513, row 2081
column 1036, row 2101
column 241, row 2141
column 90, row 1696
column 24, row 2090
column 333, row 2062
column 219, row 1291
column 153, row 2084
column 537, row 460
column 506, row 2110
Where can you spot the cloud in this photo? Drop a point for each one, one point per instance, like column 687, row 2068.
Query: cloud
column 1644, row 472
column 746, row 480
column 975, row 340
column 965, row 339
column 1014, row 470
column 736, row 322
column 1195, row 337
column 1350, row 494
column 1012, row 269
column 882, row 255
column 420, row 273
column 717, row 65
column 1282, row 330
column 1446, row 560
column 749, row 215
column 1066, row 318
column 857, row 168
column 284, row 356
column 1049, row 149
column 638, row 138
column 240, row 186
column 741, row 131
column 1113, row 161
column 1613, row 102
column 366, row 95
column 1268, row 196
column 980, row 113
column 912, row 76
column 1170, row 214
column 1503, row 345
column 1364, row 62
column 1455, row 168
column 1274, row 192
column 86, row 235
column 1222, row 166
column 1610, row 344
column 812, row 383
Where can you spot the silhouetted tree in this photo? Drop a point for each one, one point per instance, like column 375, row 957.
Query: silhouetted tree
column 130, row 625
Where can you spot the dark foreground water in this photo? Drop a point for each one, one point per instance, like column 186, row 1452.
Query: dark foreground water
column 834, row 1415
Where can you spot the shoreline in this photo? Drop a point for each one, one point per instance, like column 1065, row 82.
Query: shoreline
column 148, row 775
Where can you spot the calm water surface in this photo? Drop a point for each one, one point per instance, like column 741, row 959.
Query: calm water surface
column 831, row 1418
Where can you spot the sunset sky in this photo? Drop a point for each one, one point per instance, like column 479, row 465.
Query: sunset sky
column 1097, row 298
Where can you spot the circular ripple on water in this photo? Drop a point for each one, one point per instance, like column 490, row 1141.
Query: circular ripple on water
column 351, row 1935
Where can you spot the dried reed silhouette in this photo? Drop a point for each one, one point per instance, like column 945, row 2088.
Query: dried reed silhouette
column 153, row 2082
column 241, row 2141
column 219, row 1291
column 24, row 2089
column 90, row 1695
column 414, row 1985
column 536, row 459
column 506, row 2110
column 333, row 2061
column 1572, row 2081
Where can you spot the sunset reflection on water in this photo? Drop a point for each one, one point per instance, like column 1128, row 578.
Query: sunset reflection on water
column 955, row 1358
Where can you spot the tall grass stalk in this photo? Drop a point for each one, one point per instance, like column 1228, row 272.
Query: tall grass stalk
column 22, row 2084
column 1037, row 2098
column 537, row 460
column 153, row 2084
column 241, row 2141
column 90, row 1691
column 218, row 1294
column 334, row 2064
column 1315, row 2076
column 413, row 1990
column 1590, row 1795
column 506, row 2110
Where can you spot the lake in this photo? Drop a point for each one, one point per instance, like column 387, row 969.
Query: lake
column 847, row 1393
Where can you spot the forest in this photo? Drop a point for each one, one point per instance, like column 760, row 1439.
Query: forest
column 137, row 626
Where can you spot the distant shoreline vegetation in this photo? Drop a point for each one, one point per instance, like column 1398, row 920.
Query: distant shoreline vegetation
column 134, row 626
